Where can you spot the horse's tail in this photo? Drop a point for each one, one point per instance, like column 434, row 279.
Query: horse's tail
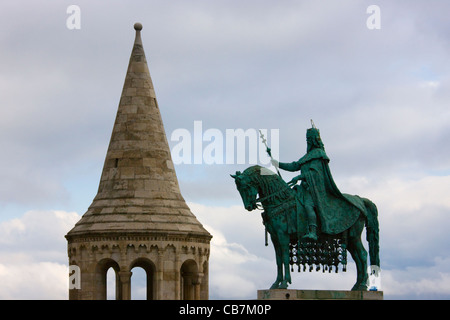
column 372, row 231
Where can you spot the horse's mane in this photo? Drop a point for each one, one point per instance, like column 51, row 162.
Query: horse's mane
column 270, row 182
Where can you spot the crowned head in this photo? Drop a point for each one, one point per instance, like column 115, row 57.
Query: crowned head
column 313, row 138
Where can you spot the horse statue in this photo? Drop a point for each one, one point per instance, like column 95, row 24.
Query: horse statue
column 286, row 220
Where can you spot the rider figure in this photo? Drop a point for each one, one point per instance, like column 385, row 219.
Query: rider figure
column 310, row 166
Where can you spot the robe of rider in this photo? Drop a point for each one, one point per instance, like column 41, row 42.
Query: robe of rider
column 336, row 212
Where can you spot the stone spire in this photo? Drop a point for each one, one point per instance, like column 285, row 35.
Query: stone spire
column 138, row 191
column 138, row 217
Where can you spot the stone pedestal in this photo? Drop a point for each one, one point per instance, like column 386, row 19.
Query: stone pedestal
column 293, row 294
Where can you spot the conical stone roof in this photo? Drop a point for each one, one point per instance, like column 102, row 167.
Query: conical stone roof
column 138, row 192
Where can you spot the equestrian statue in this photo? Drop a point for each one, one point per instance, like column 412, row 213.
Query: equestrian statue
column 311, row 224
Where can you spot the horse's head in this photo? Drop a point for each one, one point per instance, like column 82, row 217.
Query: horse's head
column 247, row 189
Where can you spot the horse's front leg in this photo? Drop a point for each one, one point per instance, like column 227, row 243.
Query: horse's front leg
column 279, row 261
column 276, row 284
column 285, row 258
column 276, row 245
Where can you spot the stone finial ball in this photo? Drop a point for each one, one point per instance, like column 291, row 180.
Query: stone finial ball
column 138, row 26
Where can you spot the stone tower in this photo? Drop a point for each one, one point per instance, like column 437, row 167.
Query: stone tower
column 138, row 217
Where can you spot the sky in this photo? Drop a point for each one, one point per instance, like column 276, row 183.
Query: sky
column 380, row 97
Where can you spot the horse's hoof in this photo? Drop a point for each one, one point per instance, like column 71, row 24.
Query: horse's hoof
column 359, row 287
column 274, row 286
column 283, row 285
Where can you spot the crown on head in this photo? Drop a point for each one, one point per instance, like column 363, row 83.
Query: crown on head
column 313, row 131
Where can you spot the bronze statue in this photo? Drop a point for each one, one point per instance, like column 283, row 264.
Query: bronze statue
column 311, row 224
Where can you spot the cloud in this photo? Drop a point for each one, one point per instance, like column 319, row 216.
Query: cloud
column 379, row 97
column 430, row 282
column 33, row 261
column 229, row 267
column 33, row 255
column 237, row 267
column 240, row 264
column 39, row 234
column 232, row 65
column 34, row 281
column 413, row 215
column 33, row 249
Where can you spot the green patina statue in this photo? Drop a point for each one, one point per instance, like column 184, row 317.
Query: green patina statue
column 311, row 223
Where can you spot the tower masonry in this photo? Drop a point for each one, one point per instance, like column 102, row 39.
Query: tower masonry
column 138, row 217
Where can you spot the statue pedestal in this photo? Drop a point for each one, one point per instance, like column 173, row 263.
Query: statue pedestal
column 293, row 294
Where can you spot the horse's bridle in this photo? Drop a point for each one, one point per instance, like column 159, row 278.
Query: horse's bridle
column 260, row 200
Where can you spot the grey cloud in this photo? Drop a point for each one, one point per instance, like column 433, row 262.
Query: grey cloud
column 234, row 64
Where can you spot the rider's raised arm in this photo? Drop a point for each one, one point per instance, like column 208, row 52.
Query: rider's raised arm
column 293, row 166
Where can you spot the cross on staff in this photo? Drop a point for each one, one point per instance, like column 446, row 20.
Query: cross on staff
column 268, row 149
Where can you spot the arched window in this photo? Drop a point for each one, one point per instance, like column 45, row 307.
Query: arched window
column 111, row 284
column 190, row 285
column 138, row 284
column 101, row 279
column 143, row 279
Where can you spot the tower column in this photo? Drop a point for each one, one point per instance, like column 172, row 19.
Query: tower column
column 125, row 284
column 197, row 287
column 159, row 276
column 177, row 278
